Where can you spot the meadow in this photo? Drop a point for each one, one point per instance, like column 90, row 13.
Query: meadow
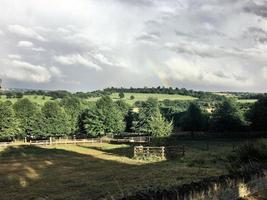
column 102, row 171
column 145, row 96
column 40, row 100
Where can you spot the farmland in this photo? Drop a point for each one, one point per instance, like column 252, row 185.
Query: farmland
column 34, row 98
column 145, row 96
column 102, row 170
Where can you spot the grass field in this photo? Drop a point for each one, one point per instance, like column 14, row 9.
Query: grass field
column 98, row 171
column 145, row 96
column 246, row 100
column 34, row 98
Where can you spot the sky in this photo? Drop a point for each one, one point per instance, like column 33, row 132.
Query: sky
column 84, row 45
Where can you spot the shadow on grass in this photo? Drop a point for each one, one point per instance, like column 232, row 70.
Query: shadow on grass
column 126, row 151
column 30, row 172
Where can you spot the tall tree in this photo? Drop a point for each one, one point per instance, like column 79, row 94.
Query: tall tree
column 121, row 95
column 258, row 115
column 106, row 117
column 8, row 122
column 193, row 119
column 56, row 121
column 227, row 117
column 73, row 108
column 25, row 111
column 158, row 126
column 146, row 110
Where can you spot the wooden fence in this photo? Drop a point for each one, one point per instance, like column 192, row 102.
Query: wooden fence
column 51, row 141
column 138, row 139
column 169, row 152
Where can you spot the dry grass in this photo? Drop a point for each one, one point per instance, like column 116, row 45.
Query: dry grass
column 98, row 171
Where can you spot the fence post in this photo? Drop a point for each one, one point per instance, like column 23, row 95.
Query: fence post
column 50, row 140
column 25, row 140
column 135, row 151
column 162, row 152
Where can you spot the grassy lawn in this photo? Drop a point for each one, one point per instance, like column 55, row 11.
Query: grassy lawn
column 145, row 96
column 103, row 170
column 246, row 100
column 34, row 98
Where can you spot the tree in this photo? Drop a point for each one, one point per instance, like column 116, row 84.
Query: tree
column 121, row 95
column 132, row 97
column 227, row 117
column 25, row 112
column 106, row 117
column 147, row 110
column 113, row 117
column 55, row 120
column 8, row 122
column 19, row 95
column 159, row 127
column 193, row 119
column 73, row 108
column 9, row 95
column 122, row 106
column 258, row 115
column 93, row 123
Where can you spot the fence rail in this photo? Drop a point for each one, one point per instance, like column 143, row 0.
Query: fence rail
column 51, row 141
column 162, row 152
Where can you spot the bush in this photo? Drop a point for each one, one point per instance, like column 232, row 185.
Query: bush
column 248, row 155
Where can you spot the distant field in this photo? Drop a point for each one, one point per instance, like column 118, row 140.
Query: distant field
column 246, row 100
column 145, row 96
column 95, row 171
column 34, row 98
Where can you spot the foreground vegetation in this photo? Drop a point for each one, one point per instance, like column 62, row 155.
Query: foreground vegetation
column 98, row 171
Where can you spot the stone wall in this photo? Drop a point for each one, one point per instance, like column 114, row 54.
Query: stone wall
column 224, row 187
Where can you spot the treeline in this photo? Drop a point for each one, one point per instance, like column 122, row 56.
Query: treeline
column 202, row 95
column 55, row 94
column 73, row 117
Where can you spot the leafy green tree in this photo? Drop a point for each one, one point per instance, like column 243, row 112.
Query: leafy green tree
column 227, row 117
column 147, row 110
column 121, row 95
column 193, row 119
column 258, row 115
column 122, row 106
column 159, row 127
column 93, row 123
column 25, row 111
column 55, row 120
column 73, row 108
column 106, row 117
column 113, row 117
column 8, row 122
column 132, row 97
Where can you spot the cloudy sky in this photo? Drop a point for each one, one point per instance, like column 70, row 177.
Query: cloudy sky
column 92, row 44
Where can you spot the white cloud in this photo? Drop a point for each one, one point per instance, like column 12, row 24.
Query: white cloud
column 264, row 72
column 55, row 71
column 25, row 32
column 14, row 56
column 40, row 49
column 25, row 44
column 76, row 59
column 1, row 32
column 24, row 71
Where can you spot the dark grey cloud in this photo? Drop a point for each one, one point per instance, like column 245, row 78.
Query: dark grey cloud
column 186, row 43
column 259, row 8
